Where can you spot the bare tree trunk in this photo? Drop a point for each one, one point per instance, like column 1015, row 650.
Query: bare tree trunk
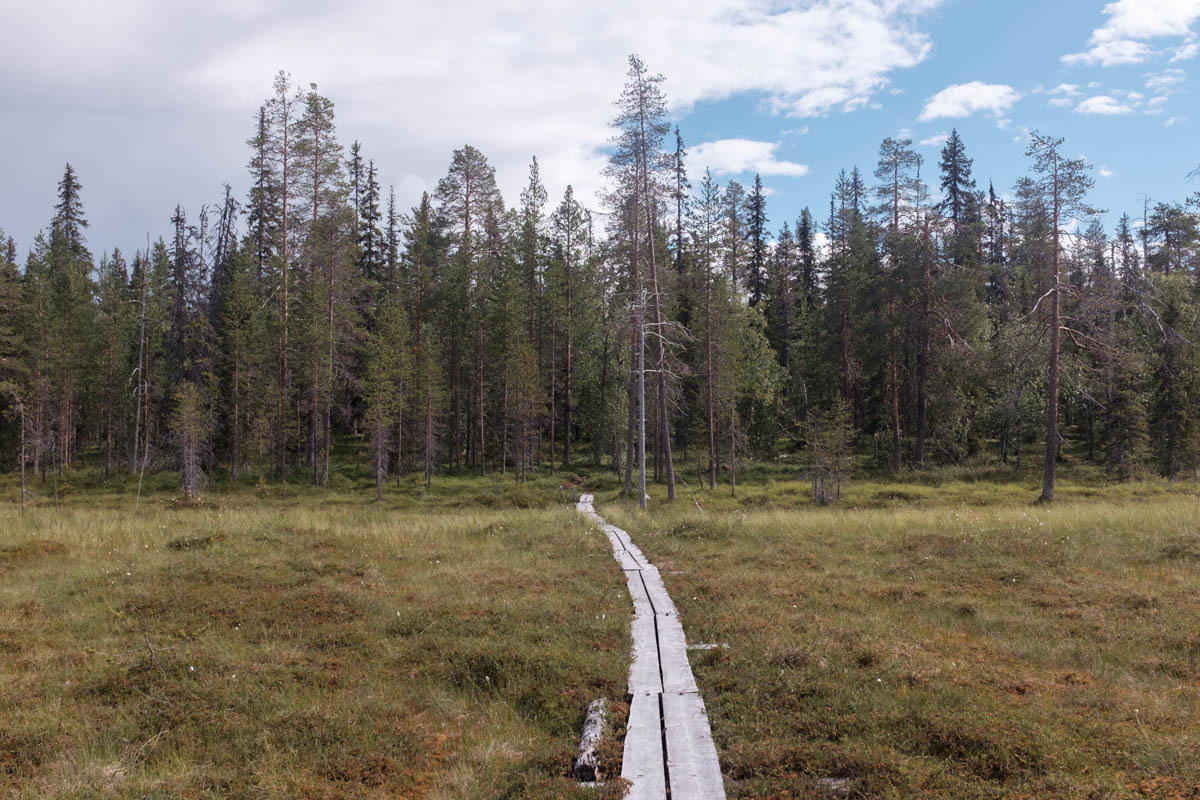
column 633, row 351
column 21, row 407
column 139, row 392
column 553, row 396
column 455, row 401
column 894, row 386
column 235, row 443
column 923, row 372
column 380, row 455
column 107, row 435
column 641, row 366
column 400, row 440
column 660, row 360
column 566, row 459
column 284, row 307
column 1052, row 382
column 709, row 377
column 479, row 378
column 428, row 437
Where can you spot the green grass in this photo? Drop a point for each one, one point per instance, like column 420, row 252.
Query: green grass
column 935, row 634
column 275, row 648
column 958, row 650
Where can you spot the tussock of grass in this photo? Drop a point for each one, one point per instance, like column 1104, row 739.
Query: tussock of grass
column 283, row 651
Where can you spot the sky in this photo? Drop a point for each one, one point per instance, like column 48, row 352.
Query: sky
column 152, row 101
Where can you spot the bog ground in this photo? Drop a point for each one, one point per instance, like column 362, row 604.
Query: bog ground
column 933, row 636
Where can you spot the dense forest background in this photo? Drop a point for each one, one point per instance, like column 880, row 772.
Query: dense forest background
column 934, row 322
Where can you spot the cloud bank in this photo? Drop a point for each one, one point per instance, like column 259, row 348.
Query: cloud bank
column 515, row 79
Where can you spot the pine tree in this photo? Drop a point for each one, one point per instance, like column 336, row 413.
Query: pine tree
column 385, row 387
column 115, row 321
column 14, row 369
column 569, row 224
column 707, row 220
column 373, row 245
column 680, row 196
column 736, row 232
column 756, row 217
column 430, row 396
column 1063, row 185
column 806, row 256
column 464, row 196
column 70, row 293
column 354, row 167
column 328, row 252
column 637, row 164
column 279, row 124
column 958, row 186
column 191, row 426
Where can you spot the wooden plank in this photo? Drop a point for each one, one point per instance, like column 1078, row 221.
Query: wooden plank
column 637, row 593
column 672, row 653
column 645, row 674
column 691, row 755
column 627, row 561
column 643, row 759
column 658, row 592
column 660, row 672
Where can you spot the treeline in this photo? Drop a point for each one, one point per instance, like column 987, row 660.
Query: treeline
column 928, row 324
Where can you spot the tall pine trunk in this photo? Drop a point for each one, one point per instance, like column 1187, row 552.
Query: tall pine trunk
column 1052, row 381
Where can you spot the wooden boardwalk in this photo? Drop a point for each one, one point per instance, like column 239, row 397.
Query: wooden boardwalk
column 668, row 744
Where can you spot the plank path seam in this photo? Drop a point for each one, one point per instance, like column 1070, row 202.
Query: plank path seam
column 669, row 749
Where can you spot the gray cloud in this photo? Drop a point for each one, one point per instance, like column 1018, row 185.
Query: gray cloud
column 152, row 102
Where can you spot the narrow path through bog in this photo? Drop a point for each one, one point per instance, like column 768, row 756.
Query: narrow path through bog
column 669, row 749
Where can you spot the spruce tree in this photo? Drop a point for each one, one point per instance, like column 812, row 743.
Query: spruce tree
column 756, row 219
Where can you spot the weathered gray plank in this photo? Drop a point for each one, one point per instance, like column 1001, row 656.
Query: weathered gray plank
column 672, row 653
column 626, row 560
column 645, row 674
column 643, row 760
column 660, row 672
column 691, row 754
column 658, row 592
column 637, row 593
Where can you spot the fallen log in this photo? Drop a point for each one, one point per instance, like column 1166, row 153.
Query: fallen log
column 587, row 763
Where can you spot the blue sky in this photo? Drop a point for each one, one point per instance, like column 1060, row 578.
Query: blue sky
column 152, row 103
column 1147, row 150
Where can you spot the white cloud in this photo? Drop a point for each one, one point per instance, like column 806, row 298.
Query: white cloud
column 821, row 243
column 1164, row 82
column 1121, row 40
column 1102, row 104
column 741, row 157
column 1109, row 54
column 1174, row 121
column 1105, row 172
column 1061, row 102
column 411, row 80
column 1066, row 88
column 964, row 99
column 1186, row 52
column 935, row 141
